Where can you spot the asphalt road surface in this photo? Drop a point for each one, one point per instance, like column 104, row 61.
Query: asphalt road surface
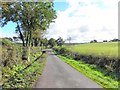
column 58, row 74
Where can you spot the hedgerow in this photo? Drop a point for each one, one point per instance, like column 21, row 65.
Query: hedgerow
column 18, row 73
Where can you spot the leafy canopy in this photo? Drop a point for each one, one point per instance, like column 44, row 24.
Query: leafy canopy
column 31, row 17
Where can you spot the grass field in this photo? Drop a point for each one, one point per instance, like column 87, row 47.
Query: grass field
column 109, row 49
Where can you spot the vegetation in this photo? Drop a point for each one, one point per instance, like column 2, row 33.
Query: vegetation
column 44, row 42
column 22, row 64
column 60, row 41
column 93, row 41
column 31, row 18
column 19, row 64
column 109, row 49
column 104, row 55
column 98, row 61
column 18, row 73
column 52, row 42
column 24, row 78
column 96, row 74
column 69, row 39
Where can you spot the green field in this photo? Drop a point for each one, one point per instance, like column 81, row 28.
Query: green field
column 109, row 49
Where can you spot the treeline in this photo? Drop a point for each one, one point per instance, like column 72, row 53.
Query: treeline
column 114, row 40
column 47, row 43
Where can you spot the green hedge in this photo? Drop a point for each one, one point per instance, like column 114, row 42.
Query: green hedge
column 27, row 77
column 12, row 65
column 110, row 64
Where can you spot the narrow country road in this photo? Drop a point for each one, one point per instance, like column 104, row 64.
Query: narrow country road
column 58, row 74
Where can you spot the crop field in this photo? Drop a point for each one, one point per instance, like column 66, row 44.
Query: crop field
column 109, row 49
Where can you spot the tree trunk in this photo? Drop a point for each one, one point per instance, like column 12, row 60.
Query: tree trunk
column 21, row 35
column 28, row 50
column 27, row 39
column 26, row 46
column 26, row 53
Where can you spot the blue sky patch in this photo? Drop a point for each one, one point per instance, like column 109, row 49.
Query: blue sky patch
column 61, row 6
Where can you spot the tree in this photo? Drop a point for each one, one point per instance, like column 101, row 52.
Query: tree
column 93, row 41
column 29, row 16
column 59, row 41
column 69, row 39
column 52, row 42
column 45, row 42
column 104, row 40
column 115, row 40
column 36, row 37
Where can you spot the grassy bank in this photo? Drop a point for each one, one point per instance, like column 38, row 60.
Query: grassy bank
column 93, row 72
column 25, row 77
column 18, row 73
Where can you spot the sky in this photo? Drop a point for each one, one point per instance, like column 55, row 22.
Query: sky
column 82, row 20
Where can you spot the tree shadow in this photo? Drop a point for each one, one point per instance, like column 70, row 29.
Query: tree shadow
column 53, row 54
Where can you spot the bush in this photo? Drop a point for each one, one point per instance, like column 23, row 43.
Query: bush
column 63, row 51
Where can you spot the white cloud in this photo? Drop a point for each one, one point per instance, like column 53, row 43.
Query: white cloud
column 100, row 17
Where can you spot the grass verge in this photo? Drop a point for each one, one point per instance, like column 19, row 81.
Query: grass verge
column 17, row 72
column 93, row 73
column 27, row 76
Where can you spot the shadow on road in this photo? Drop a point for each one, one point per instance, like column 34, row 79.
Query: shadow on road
column 52, row 54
